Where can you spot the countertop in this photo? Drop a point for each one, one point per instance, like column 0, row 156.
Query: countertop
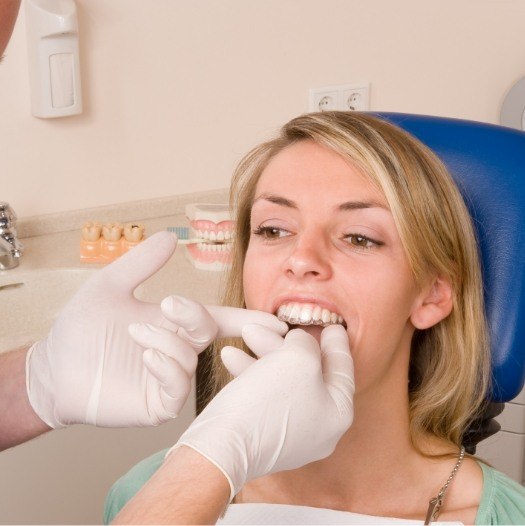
column 50, row 269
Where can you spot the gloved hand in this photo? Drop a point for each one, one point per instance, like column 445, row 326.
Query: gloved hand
column 286, row 409
column 89, row 370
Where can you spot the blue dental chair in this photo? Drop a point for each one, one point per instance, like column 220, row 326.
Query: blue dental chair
column 488, row 164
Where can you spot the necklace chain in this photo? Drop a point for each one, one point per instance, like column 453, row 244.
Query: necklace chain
column 435, row 504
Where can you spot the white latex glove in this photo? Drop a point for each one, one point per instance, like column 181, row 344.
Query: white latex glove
column 286, row 409
column 89, row 370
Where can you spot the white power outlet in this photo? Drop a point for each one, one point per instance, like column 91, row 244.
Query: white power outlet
column 356, row 98
column 347, row 97
column 324, row 99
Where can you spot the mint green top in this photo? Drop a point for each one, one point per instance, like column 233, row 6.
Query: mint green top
column 502, row 500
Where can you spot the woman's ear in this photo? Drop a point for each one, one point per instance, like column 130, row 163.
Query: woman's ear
column 434, row 304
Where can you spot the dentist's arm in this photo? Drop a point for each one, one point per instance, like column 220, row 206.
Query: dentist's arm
column 268, row 399
column 186, row 489
column 18, row 420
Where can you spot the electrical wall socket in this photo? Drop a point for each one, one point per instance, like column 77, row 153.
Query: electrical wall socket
column 347, row 97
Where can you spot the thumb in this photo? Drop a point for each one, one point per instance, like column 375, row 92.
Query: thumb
column 137, row 265
column 338, row 366
column 235, row 360
column 261, row 340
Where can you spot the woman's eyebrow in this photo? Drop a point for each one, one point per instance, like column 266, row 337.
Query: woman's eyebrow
column 277, row 199
column 346, row 206
column 358, row 205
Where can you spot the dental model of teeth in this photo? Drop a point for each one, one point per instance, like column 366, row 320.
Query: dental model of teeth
column 213, row 227
column 295, row 313
column 105, row 243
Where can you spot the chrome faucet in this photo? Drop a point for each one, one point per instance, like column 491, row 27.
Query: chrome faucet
column 10, row 248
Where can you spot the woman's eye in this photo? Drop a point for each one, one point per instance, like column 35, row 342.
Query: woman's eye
column 360, row 241
column 270, row 232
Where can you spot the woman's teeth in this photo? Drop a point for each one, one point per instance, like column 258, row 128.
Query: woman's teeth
column 307, row 314
column 221, row 235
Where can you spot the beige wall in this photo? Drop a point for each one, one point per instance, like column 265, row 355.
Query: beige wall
column 177, row 90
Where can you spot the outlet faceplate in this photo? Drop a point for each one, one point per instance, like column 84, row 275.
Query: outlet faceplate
column 347, row 97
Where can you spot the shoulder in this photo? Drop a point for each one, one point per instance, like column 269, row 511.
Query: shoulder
column 127, row 485
column 502, row 500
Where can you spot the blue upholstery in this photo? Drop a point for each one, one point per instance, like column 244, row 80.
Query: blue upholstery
column 488, row 164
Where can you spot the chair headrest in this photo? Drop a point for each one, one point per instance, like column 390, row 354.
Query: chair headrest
column 488, row 165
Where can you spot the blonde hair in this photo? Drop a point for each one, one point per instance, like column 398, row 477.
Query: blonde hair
column 449, row 363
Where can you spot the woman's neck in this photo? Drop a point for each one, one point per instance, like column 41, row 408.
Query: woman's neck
column 375, row 455
column 374, row 470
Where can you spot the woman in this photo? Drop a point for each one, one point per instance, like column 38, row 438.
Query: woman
column 346, row 220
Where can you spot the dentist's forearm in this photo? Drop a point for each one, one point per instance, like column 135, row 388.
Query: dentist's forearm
column 187, row 489
column 18, row 421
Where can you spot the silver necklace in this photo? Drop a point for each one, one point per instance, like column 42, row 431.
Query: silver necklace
column 434, row 506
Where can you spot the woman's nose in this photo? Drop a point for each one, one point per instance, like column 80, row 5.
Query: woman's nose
column 308, row 258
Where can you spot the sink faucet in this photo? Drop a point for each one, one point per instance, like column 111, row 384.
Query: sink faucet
column 10, row 247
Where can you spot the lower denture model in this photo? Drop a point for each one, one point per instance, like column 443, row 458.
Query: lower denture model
column 213, row 226
column 105, row 243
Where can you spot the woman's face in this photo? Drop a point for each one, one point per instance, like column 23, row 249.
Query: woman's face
column 324, row 245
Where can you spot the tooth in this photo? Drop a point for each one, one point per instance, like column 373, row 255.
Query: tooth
column 213, row 236
column 220, row 236
column 305, row 315
column 91, row 231
column 133, row 232
column 294, row 314
column 112, row 231
column 227, row 235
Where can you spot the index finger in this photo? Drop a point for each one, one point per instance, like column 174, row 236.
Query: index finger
column 195, row 323
column 231, row 320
